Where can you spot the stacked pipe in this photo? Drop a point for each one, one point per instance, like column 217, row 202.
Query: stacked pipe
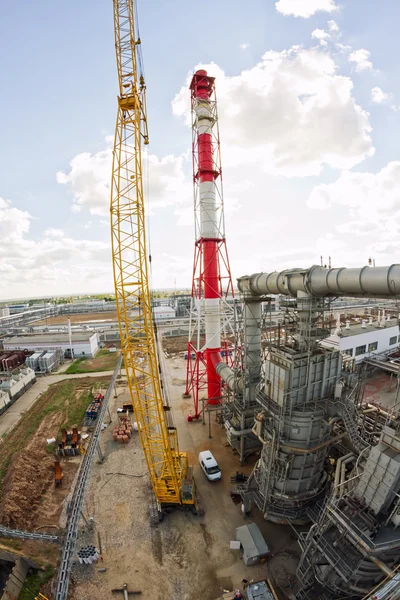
column 88, row 555
column 123, row 432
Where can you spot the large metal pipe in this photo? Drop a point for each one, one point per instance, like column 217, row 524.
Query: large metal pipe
column 252, row 342
column 227, row 374
column 370, row 282
column 252, row 339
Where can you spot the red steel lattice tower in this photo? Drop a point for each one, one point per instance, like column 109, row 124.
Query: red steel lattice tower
column 212, row 281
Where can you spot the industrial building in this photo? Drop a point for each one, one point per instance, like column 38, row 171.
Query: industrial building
column 361, row 340
column 163, row 313
column 88, row 305
column 289, row 397
column 15, row 385
column 17, row 308
column 283, row 393
column 82, row 344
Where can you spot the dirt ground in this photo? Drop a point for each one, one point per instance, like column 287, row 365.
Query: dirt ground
column 174, row 345
column 29, row 499
column 78, row 318
column 185, row 557
column 381, row 390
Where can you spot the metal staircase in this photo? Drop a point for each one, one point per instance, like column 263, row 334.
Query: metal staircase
column 350, row 425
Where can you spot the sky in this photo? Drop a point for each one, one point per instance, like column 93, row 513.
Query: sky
column 309, row 116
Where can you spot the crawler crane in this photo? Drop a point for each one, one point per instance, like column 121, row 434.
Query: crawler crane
column 170, row 475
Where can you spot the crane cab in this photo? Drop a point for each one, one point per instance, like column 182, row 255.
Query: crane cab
column 188, row 488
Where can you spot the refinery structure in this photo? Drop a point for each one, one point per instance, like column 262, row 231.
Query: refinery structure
column 305, row 408
column 258, row 389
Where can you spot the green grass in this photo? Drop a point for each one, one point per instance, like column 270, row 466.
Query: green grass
column 60, row 398
column 34, row 582
column 13, row 544
column 74, row 368
column 103, row 361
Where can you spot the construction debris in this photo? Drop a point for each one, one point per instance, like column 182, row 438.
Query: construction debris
column 123, row 433
column 70, row 444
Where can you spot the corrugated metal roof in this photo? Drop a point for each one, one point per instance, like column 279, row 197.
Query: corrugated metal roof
column 48, row 338
column 359, row 329
column 252, row 540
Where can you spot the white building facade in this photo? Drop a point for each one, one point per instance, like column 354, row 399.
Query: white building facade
column 83, row 344
column 363, row 340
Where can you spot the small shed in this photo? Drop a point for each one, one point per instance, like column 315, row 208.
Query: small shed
column 112, row 348
column 252, row 543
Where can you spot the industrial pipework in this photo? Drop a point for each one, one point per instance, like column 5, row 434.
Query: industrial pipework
column 370, row 282
column 211, row 265
column 294, row 386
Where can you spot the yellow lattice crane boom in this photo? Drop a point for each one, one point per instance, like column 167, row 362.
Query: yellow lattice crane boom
column 169, row 473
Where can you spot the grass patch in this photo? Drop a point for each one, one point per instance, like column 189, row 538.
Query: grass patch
column 34, row 582
column 74, row 368
column 69, row 398
column 11, row 543
column 103, row 361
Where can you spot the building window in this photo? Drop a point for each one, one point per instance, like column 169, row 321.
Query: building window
column 361, row 350
column 349, row 352
column 373, row 346
column 393, row 340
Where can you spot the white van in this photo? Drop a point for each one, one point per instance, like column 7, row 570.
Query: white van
column 209, row 466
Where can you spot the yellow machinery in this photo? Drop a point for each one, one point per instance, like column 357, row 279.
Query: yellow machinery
column 169, row 473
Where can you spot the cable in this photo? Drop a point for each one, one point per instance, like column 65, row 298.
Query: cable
column 138, row 46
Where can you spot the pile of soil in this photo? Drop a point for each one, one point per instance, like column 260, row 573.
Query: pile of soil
column 174, row 345
column 29, row 474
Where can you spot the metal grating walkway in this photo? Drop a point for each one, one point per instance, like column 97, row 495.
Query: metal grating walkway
column 68, row 550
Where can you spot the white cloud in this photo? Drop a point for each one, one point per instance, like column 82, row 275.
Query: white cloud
column 361, row 59
column 14, row 223
column 54, row 233
column 88, row 179
column 372, row 204
column 305, row 8
column 288, row 113
column 54, row 264
column 333, row 26
column 321, row 35
column 378, row 96
column 324, row 36
column 285, row 116
column 244, row 46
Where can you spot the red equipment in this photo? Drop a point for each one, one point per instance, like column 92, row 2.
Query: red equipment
column 212, row 281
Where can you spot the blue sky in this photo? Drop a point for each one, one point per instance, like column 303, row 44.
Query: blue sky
column 290, row 194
